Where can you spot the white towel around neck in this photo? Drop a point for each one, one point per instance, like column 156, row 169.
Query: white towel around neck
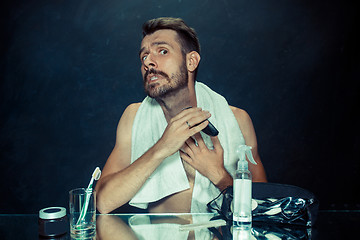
column 170, row 177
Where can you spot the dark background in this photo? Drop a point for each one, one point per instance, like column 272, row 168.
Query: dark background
column 69, row 68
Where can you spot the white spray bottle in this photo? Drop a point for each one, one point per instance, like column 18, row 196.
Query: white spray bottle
column 242, row 194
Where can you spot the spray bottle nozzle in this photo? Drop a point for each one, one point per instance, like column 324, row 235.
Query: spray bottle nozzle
column 244, row 151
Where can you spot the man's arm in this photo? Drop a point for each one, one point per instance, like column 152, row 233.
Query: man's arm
column 114, row 174
column 120, row 180
column 248, row 131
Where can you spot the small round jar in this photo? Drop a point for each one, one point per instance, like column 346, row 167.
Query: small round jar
column 53, row 222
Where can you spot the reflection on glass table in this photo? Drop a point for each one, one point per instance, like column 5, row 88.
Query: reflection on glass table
column 187, row 226
column 330, row 225
column 158, row 226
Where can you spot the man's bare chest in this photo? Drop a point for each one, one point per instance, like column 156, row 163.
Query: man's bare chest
column 190, row 172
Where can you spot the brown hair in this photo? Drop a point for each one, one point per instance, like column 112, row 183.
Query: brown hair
column 187, row 35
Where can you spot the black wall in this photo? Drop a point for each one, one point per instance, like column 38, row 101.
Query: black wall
column 69, row 69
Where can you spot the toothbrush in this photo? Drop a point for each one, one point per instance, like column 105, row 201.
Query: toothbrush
column 95, row 176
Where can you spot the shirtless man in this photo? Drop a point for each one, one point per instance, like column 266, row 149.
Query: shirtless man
column 169, row 62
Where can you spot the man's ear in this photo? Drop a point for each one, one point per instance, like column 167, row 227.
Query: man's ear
column 192, row 60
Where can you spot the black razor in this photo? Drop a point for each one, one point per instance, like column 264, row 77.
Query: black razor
column 210, row 129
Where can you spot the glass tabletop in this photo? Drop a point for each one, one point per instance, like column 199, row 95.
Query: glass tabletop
column 329, row 225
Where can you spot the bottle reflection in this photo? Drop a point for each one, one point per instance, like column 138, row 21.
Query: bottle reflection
column 242, row 233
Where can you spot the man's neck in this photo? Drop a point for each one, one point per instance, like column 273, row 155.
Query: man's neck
column 174, row 103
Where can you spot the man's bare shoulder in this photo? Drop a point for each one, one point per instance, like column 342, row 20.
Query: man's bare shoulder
column 130, row 112
column 132, row 108
column 241, row 115
column 126, row 121
column 246, row 126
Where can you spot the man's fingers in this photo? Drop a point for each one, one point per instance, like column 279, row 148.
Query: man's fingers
column 186, row 148
column 198, row 128
column 195, row 120
column 185, row 112
column 216, row 142
column 191, row 117
column 185, row 157
column 200, row 140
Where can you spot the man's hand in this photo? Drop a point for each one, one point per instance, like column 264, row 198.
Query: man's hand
column 180, row 128
column 208, row 162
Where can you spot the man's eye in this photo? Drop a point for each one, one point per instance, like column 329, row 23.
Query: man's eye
column 164, row 51
column 143, row 58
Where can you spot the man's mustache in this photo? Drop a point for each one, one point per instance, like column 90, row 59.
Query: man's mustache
column 156, row 72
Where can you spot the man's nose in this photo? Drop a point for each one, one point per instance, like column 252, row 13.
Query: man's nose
column 150, row 62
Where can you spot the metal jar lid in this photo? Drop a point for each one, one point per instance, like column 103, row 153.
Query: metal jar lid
column 52, row 213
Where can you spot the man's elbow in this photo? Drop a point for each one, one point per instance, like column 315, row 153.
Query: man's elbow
column 101, row 201
column 105, row 205
column 260, row 180
column 260, row 177
column 102, row 206
column 102, row 210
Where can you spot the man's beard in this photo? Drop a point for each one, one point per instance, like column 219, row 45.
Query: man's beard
column 177, row 81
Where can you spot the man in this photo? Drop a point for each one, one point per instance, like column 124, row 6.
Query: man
column 161, row 160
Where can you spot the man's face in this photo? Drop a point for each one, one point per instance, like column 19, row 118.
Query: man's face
column 163, row 65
